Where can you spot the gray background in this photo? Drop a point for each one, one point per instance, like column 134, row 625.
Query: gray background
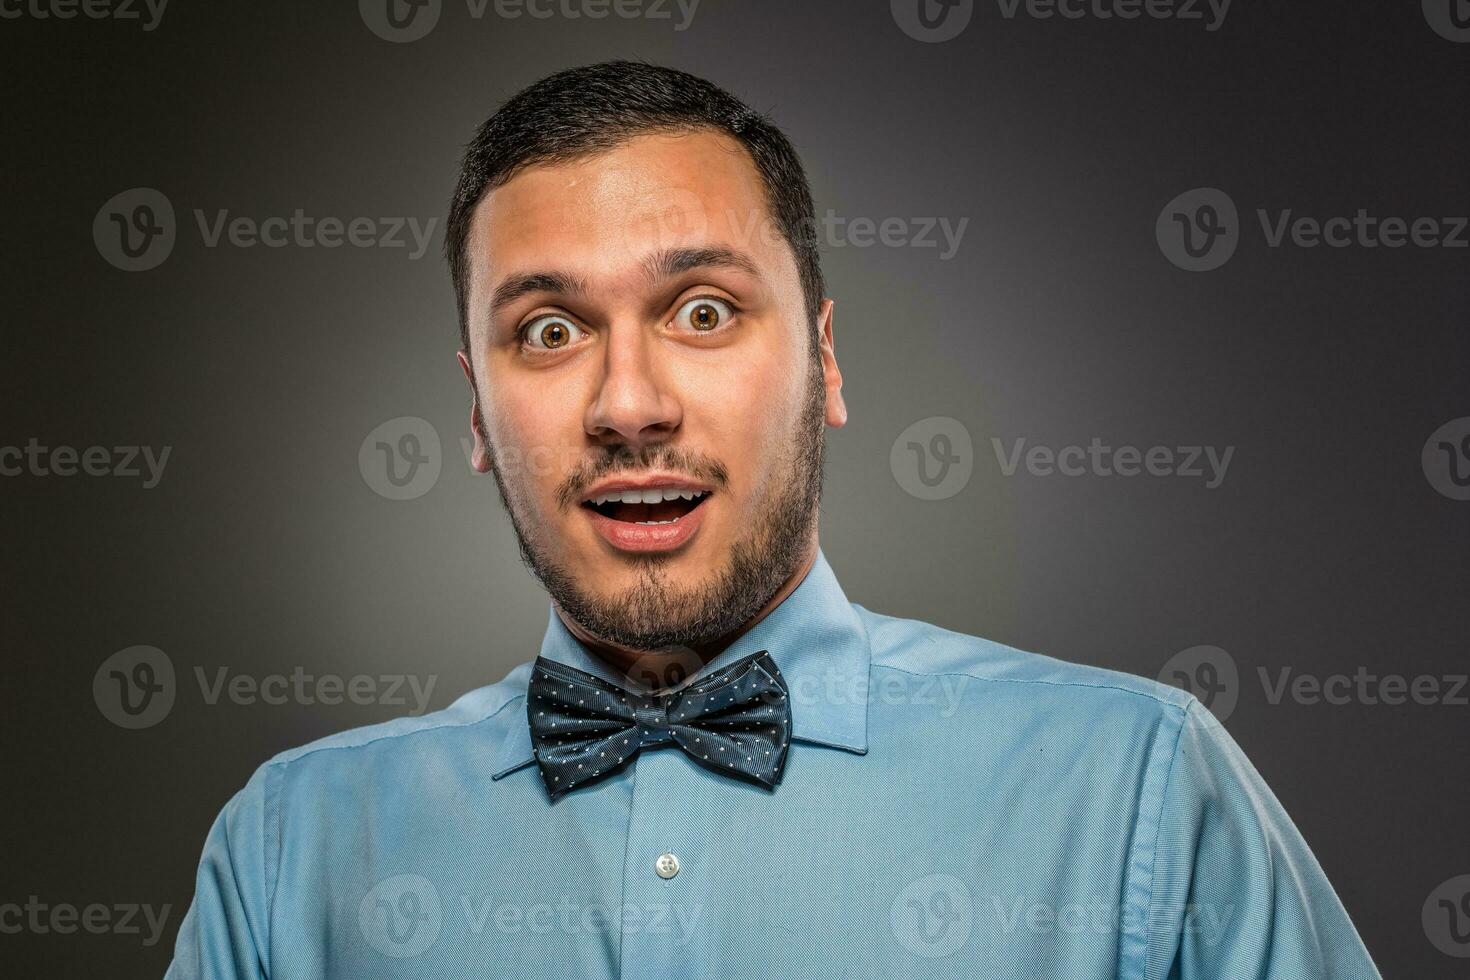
column 264, row 548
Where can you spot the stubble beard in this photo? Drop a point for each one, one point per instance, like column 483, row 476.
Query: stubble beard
column 656, row 614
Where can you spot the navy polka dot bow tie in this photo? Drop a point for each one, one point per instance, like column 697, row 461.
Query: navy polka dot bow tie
column 736, row 721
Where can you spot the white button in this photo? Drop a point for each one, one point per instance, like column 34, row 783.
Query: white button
column 667, row 865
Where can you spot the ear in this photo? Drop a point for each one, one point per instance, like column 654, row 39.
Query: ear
column 831, row 375
column 480, row 455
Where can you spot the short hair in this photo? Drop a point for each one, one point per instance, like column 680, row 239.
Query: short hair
column 595, row 108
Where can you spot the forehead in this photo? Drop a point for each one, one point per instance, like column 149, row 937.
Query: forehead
column 600, row 215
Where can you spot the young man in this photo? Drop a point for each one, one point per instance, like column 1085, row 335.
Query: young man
column 718, row 766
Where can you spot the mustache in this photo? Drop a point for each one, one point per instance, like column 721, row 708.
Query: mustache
column 621, row 459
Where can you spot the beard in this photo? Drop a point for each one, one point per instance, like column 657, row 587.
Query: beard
column 658, row 615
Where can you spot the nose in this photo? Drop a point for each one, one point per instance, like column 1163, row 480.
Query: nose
column 633, row 405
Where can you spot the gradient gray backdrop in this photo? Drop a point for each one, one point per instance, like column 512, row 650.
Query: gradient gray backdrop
column 264, row 548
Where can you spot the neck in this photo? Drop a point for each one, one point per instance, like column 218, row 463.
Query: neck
column 655, row 664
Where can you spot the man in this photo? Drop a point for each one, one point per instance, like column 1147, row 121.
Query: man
column 718, row 766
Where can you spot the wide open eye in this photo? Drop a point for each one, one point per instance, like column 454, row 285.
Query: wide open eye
column 550, row 332
column 703, row 314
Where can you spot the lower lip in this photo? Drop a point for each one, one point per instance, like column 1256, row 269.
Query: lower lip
column 647, row 537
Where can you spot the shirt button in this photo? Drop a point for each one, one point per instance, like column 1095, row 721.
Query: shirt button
column 667, row 865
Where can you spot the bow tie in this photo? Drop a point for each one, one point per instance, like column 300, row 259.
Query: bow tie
column 736, row 721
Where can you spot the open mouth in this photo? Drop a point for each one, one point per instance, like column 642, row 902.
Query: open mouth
column 651, row 507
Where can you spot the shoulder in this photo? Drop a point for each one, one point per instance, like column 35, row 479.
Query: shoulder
column 993, row 673
column 475, row 725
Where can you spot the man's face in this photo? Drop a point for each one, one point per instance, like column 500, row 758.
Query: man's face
column 650, row 396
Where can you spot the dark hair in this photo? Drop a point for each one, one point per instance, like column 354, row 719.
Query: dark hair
column 593, row 109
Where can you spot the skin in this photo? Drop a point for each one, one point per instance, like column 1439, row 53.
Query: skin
column 634, row 379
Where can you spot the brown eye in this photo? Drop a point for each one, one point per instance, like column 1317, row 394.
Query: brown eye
column 550, row 332
column 704, row 315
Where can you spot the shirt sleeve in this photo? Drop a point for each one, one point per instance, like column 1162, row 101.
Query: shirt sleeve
column 1236, row 892
column 224, row 934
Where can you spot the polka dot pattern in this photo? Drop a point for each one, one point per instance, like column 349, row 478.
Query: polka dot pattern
column 736, row 721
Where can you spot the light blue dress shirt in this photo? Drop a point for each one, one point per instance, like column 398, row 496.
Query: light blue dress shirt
column 951, row 807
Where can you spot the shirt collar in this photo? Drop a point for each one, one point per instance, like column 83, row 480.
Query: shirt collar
column 816, row 639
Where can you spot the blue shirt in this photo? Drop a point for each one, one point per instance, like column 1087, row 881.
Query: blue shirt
column 950, row 807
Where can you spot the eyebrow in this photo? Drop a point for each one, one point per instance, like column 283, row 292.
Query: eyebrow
column 664, row 264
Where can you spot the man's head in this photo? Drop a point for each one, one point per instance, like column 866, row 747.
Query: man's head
column 641, row 308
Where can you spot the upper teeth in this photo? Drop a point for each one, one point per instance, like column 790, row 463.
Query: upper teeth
column 652, row 495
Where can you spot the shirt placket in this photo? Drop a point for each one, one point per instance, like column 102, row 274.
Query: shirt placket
column 665, row 872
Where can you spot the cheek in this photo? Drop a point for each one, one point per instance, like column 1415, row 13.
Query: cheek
column 744, row 416
column 536, row 437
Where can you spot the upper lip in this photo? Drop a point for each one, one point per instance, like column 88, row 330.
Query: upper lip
column 647, row 481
